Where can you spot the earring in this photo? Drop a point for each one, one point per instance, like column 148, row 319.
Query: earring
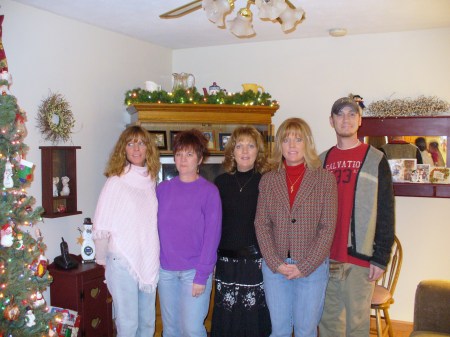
column 198, row 169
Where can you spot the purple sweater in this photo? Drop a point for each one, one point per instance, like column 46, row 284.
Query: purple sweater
column 189, row 225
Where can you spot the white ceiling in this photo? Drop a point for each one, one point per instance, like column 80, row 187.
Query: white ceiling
column 140, row 19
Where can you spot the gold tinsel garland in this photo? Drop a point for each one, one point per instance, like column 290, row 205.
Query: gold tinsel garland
column 422, row 106
column 55, row 119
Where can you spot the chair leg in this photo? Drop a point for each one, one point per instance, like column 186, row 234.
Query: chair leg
column 387, row 318
column 378, row 323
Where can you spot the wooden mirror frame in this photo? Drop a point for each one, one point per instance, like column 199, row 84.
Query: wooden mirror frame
column 411, row 126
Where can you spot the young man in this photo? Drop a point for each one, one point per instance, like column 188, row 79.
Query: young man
column 365, row 227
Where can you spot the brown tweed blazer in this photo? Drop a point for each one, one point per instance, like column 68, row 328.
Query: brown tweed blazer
column 306, row 230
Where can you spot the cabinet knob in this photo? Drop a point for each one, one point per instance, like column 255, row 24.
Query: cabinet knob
column 95, row 292
column 95, row 322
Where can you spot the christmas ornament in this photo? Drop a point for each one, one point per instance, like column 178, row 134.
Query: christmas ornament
column 39, row 301
column 25, row 171
column 6, row 235
column 5, row 82
column 42, row 266
column 19, row 242
column 30, row 317
column 11, row 312
column 88, row 247
column 7, row 176
column 3, row 62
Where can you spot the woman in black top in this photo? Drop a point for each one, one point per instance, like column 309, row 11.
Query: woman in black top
column 239, row 305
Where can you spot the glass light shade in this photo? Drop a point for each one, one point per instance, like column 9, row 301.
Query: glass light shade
column 290, row 18
column 241, row 25
column 216, row 10
column 270, row 9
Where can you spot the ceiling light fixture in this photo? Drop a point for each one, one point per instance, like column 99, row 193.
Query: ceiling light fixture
column 280, row 11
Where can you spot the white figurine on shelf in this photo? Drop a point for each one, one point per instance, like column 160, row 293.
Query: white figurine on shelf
column 65, row 186
column 55, row 186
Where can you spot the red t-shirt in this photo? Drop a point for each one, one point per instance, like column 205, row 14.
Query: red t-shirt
column 345, row 165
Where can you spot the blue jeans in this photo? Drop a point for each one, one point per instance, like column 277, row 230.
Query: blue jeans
column 182, row 314
column 295, row 303
column 134, row 309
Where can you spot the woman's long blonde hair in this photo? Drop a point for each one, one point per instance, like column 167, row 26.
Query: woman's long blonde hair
column 240, row 133
column 298, row 127
column 118, row 158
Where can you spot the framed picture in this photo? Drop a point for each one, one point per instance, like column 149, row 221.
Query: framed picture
column 160, row 139
column 210, row 137
column 223, row 140
column 172, row 138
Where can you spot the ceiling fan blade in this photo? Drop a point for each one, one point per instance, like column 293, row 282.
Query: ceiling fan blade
column 183, row 10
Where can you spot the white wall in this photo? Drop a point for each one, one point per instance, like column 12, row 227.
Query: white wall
column 306, row 76
column 93, row 69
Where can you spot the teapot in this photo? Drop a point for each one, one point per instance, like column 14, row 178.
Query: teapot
column 182, row 81
column 253, row 87
column 152, row 86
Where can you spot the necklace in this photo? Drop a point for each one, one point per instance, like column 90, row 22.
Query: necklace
column 242, row 187
column 351, row 147
column 298, row 178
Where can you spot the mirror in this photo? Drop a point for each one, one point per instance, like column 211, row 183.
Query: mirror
column 379, row 131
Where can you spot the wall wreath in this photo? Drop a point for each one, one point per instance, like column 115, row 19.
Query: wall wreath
column 55, row 119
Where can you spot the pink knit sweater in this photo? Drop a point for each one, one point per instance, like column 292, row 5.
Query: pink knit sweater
column 125, row 224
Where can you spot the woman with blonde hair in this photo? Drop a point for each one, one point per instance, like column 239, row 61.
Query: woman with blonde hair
column 240, row 308
column 125, row 231
column 295, row 223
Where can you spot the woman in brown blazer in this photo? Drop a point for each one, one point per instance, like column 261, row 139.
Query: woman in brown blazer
column 295, row 223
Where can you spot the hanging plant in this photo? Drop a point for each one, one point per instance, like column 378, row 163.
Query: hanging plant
column 55, row 119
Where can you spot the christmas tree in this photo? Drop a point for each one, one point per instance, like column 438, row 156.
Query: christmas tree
column 23, row 265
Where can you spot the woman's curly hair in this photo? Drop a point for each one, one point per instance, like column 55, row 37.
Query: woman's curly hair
column 118, row 160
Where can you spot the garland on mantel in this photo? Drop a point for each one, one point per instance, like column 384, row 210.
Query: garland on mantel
column 181, row 96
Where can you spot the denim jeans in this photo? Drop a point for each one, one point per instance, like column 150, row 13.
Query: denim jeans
column 182, row 314
column 134, row 310
column 295, row 303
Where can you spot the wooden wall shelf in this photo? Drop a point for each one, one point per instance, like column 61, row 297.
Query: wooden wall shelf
column 59, row 161
column 411, row 126
column 220, row 118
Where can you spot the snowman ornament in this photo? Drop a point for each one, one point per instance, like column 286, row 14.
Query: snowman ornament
column 30, row 318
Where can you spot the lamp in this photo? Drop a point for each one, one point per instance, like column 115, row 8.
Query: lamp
column 281, row 11
column 217, row 9
column 241, row 25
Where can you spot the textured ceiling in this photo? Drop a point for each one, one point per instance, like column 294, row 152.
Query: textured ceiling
column 140, row 19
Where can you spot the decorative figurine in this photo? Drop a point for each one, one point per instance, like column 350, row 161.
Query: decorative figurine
column 65, row 186
column 214, row 89
column 55, row 186
column 30, row 317
column 88, row 247
column 7, row 176
column 6, row 233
